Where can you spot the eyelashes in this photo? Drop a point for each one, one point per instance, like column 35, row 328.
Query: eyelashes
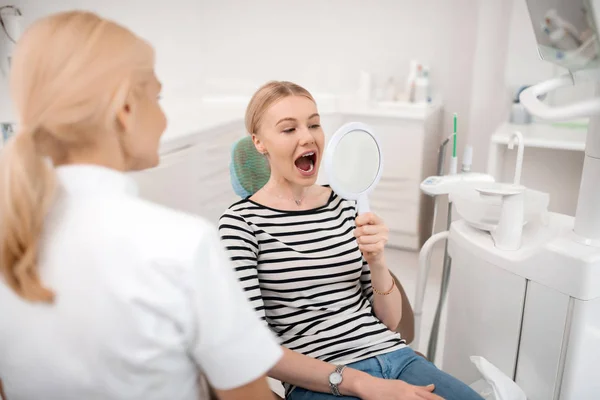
column 291, row 130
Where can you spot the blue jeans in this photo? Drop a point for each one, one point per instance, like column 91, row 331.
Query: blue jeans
column 407, row 366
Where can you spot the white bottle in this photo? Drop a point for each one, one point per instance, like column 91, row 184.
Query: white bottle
column 410, row 80
column 421, row 86
column 390, row 90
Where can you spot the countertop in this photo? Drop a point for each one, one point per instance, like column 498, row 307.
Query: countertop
column 544, row 135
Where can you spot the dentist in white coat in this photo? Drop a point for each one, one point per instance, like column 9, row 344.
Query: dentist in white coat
column 102, row 294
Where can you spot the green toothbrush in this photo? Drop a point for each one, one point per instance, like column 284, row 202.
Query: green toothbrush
column 454, row 160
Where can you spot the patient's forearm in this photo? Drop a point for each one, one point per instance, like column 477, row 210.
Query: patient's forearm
column 312, row 374
column 388, row 308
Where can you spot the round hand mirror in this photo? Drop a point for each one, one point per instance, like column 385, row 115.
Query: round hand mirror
column 353, row 163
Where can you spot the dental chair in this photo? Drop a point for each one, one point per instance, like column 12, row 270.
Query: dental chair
column 249, row 172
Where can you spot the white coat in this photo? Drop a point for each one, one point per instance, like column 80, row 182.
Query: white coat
column 145, row 298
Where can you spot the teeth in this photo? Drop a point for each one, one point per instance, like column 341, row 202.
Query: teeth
column 308, row 154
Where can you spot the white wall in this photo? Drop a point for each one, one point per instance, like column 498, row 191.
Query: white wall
column 479, row 51
column 490, row 99
column 171, row 26
column 232, row 46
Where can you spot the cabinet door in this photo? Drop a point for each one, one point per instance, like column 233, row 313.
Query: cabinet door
column 485, row 309
column 542, row 339
column 402, row 144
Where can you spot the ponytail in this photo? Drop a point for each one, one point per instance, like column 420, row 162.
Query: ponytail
column 66, row 70
column 26, row 192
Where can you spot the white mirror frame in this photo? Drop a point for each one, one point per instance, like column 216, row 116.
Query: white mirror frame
column 360, row 197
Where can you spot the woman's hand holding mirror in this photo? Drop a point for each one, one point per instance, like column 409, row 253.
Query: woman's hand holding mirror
column 372, row 236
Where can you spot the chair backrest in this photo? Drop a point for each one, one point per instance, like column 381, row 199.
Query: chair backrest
column 248, row 168
column 406, row 327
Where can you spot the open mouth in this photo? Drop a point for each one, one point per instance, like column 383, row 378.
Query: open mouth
column 306, row 162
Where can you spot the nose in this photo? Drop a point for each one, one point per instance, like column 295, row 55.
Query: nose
column 306, row 137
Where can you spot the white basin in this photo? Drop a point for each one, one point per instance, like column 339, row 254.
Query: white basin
column 483, row 212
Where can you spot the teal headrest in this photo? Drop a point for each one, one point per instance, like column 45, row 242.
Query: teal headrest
column 249, row 170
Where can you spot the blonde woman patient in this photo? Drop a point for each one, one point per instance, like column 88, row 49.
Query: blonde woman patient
column 104, row 295
column 316, row 273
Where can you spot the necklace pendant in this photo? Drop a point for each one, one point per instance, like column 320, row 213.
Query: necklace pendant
column 298, row 202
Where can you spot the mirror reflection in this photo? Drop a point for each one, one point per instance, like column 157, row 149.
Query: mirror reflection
column 564, row 30
column 356, row 162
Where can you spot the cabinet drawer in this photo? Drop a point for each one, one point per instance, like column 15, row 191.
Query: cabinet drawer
column 397, row 190
column 399, row 217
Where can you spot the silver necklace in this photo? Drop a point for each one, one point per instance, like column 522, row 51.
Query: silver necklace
column 297, row 201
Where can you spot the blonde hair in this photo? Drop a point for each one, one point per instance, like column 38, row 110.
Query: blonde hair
column 266, row 96
column 71, row 73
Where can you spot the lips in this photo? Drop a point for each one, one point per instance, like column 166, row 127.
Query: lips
column 306, row 163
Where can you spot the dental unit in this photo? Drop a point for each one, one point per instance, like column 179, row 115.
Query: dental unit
column 525, row 286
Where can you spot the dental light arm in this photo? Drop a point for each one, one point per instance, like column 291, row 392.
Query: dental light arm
column 584, row 66
column 529, row 98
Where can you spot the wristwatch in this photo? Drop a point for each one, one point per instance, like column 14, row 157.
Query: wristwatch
column 335, row 379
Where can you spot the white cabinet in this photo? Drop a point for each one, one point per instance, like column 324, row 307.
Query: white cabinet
column 195, row 178
column 410, row 148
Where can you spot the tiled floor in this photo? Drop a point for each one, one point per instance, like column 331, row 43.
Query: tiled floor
column 404, row 265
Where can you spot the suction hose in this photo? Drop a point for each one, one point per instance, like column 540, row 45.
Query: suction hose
column 422, row 275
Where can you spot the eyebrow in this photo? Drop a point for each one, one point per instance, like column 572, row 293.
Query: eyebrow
column 294, row 119
column 285, row 119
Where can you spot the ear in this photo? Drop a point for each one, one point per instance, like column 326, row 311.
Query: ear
column 258, row 144
column 125, row 116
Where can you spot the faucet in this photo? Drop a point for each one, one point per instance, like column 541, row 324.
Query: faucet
column 517, row 137
column 507, row 235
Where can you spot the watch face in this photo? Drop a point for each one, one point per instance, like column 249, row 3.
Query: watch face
column 335, row 378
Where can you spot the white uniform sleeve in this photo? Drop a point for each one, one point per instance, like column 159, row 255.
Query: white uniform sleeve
column 231, row 345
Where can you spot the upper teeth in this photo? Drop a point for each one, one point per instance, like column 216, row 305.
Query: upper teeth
column 308, row 154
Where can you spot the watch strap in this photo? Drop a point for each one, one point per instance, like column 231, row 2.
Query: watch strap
column 334, row 388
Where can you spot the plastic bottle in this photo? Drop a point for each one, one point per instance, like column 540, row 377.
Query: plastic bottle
column 421, row 86
column 410, row 80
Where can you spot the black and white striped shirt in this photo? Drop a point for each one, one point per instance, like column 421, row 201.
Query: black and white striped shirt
column 305, row 276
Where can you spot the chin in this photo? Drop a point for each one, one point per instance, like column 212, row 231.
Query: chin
column 142, row 164
column 306, row 180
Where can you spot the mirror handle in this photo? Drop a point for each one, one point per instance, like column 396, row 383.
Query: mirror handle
column 363, row 204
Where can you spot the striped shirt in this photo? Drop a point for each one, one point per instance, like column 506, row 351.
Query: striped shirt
column 306, row 278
